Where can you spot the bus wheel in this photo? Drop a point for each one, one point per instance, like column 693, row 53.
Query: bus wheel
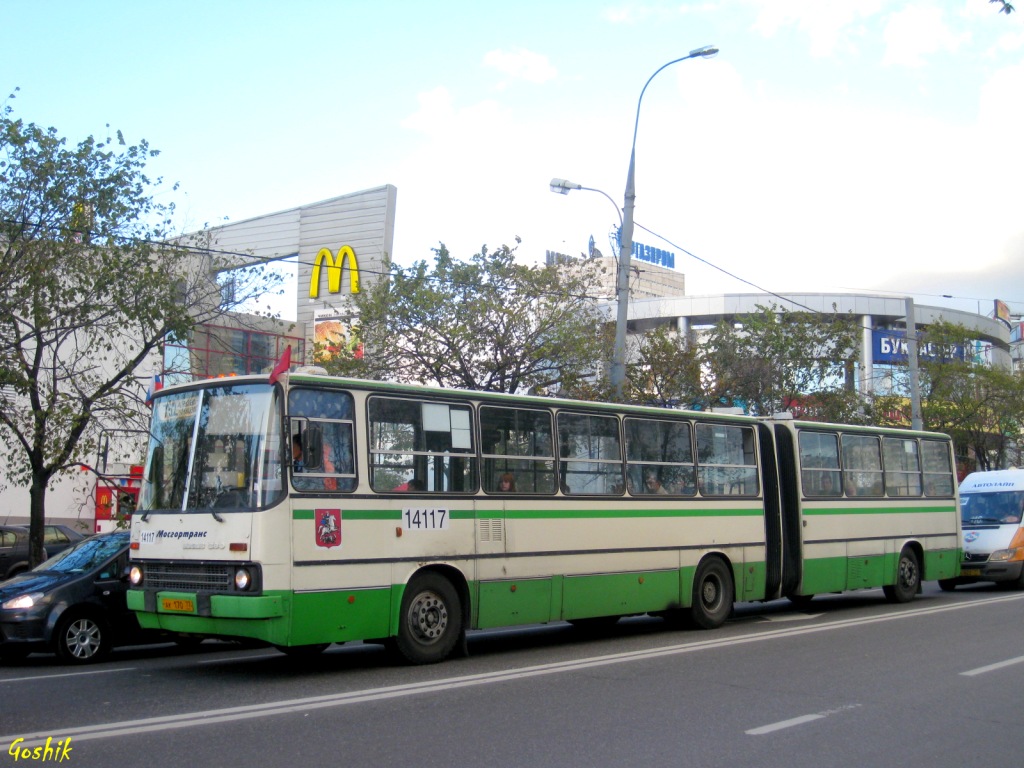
column 948, row 585
column 430, row 621
column 712, row 594
column 908, row 579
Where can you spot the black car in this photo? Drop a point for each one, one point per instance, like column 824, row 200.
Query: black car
column 14, row 545
column 73, row 604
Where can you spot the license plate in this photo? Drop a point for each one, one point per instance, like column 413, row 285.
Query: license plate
column 178, row 605
column 970, row 571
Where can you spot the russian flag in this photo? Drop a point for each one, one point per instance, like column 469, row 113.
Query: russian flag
column 155, row 386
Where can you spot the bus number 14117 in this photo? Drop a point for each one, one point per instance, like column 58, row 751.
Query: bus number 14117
column 425, row 519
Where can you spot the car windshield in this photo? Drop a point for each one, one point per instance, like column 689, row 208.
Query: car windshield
column 86, row 555
column 1002, row 507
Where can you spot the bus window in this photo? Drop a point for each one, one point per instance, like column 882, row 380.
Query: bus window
column 517, row 441
column 902, row 466
column 938, row 468
column 591, row 456
column 726, row 464
column 660, row 451
column 421, row 445
column 321, row 442
column 819, row 464
column 862, row 466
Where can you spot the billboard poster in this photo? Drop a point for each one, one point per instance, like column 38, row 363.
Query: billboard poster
column 334, row 336
column 890, row 346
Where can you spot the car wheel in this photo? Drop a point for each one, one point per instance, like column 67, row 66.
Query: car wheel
column 82, row 638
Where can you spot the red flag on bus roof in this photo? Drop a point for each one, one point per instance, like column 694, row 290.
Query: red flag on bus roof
column 282, row 365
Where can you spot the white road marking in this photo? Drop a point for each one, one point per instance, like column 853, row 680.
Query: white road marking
column 993, row 667
column 247, row 712
column 37, row 678
column 794, row 721
column 783, row 724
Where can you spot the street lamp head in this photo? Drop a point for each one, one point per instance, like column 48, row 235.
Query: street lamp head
column 563, row 186
column 707, row 52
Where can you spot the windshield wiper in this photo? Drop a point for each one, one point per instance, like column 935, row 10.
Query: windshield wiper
column 220, row 492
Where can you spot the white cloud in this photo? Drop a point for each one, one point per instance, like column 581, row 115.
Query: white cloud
column 828, row 25
column 917, row 31
column 435, row 111
column 521, row 64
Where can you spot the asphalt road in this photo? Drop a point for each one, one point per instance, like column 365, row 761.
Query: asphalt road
column 849, row 681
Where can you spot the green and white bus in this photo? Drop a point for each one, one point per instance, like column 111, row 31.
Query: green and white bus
column 317, row 510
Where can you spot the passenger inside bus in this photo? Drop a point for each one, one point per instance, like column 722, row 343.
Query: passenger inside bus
column 652, row 484
column 507, row 483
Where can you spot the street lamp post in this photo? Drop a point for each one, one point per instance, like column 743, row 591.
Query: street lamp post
column 618, row 370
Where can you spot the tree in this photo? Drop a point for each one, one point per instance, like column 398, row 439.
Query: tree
column 91, row 288
column 980, row 406
column 489, row 323
column 666, row 371
column 779, row 360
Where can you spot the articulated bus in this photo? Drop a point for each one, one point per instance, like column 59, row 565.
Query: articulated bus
column 317, row 510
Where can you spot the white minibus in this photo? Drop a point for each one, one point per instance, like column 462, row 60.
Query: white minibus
column 991, row 504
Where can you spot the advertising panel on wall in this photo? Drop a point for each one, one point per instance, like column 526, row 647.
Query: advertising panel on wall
column 890, row 346
column 334, row 336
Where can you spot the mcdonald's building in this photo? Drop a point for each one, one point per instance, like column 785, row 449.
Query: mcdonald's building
column 339, row 246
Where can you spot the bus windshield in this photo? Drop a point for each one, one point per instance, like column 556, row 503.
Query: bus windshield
column 218, row 447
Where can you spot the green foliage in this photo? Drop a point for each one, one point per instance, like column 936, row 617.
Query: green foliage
column 488, row 323
column 980, row 406
column 90, row 288
column 779, row 360
column 666, row 371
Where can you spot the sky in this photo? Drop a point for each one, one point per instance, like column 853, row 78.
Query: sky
column 869, row 146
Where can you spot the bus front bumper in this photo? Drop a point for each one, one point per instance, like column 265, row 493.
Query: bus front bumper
column 201, row 604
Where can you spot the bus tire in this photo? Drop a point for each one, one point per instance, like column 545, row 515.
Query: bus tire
column 712, row 594
column 908, row 578
column 430, row 623
column 948, row 585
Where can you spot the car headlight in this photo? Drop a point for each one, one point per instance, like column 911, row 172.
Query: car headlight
column 21, row 602
column 135, row 576
column 1002, row 555
column 243, row 579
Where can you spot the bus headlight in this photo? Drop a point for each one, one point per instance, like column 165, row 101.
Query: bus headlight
column 243, row 579
column 135, row 576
